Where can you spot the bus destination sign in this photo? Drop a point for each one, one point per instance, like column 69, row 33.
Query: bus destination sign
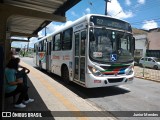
column 110, row 22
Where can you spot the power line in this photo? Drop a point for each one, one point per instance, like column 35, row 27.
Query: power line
column 149, row 6
column 91, row 4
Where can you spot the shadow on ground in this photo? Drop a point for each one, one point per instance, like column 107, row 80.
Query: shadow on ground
column 38, row 106
column 86, row 93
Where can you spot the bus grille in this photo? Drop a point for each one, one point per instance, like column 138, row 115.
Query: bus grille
column 112, row 70
column 115, row 80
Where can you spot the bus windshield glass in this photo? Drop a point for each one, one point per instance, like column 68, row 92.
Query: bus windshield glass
column 105, row 44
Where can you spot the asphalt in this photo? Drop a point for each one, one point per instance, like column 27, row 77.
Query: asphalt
column 54, row 101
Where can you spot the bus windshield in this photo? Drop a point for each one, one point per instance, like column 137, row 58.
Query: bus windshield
column 103, row 43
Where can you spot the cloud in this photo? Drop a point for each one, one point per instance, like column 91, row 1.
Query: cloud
column 33, row 40
column 24, row 44
column 149, row 25
column 54, row 27
column 40, row 34
column 88, row 10
column 19, row 44
column 74, row 14
column 128, row 2
column 115, row 10
column 141, row 1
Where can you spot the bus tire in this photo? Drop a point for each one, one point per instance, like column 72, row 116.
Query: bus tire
column 65, row 74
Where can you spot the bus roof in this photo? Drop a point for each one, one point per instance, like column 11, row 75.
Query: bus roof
column 82, row 19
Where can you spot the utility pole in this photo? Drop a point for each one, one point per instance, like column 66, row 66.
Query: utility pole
column 28, row 45
column 106, row 6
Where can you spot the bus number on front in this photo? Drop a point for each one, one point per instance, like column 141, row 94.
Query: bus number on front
column 99, row 21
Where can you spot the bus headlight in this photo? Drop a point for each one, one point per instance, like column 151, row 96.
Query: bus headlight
column 129, row 71
column 94, row 71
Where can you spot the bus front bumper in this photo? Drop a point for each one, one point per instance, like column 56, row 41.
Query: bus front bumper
column 93, row 81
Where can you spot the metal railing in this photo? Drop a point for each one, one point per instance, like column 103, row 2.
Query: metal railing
column 147, row 73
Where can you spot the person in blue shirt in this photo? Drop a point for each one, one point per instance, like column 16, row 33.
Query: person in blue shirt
column 14, row 86
column 21, row 71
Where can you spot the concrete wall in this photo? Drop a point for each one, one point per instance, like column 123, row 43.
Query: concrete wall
column 140, row 45
column 154, row 40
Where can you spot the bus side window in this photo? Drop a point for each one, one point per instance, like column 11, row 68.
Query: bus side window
column 57, row 42
column 83, row 41
column 67, row 39
column 44, row 47
column 50, row 46
column 41, row 46
column 53, row 44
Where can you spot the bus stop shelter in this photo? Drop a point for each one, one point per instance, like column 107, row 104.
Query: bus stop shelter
column 25, row 18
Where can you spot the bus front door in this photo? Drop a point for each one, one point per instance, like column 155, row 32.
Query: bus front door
column 80, row 44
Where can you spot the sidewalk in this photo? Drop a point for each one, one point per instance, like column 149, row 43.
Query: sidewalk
column 146, row 73
column 52, row 96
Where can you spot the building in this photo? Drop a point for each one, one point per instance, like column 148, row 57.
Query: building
column 141, row 42
column 154, row 39
column 140, row 45
column 147, row 43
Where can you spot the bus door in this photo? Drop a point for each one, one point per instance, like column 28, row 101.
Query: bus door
column 79, row 68
column 48, row 57
column 35, row 54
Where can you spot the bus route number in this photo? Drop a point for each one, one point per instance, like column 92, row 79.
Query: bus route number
column 99, row 21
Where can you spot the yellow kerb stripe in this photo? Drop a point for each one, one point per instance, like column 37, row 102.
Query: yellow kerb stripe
column 59, row 96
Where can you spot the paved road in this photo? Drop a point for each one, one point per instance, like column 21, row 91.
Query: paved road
column 142, row 95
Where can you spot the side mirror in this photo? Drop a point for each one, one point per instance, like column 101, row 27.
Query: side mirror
column 91, row 36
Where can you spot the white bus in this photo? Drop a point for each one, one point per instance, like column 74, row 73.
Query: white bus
column 94, row 51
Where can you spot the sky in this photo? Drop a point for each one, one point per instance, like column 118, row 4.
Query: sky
column 141, row 14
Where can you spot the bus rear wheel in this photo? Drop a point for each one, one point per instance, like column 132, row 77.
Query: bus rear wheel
column 65, row 74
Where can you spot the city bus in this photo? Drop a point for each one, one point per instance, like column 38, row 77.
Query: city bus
column 93, row 51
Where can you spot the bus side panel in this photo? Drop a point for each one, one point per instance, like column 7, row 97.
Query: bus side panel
column 48, row 63
column 60, row 58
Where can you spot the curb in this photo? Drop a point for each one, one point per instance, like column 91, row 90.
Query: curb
column 145, row 78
